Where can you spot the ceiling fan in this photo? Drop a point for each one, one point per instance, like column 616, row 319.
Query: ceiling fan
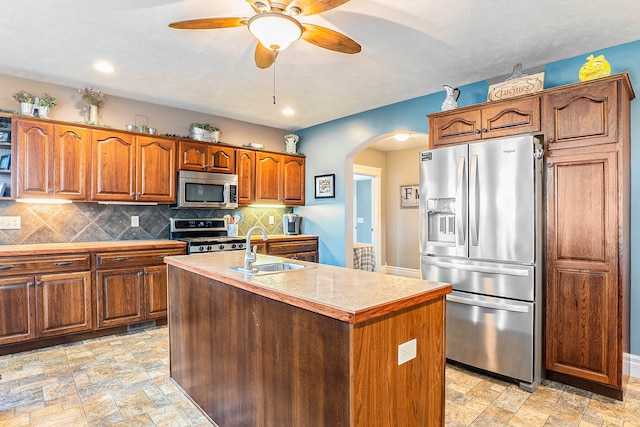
column 276, row 26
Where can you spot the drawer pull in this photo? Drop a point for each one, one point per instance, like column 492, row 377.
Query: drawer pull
column 124, row 258
column 63, row 263
column 6, row 267
column 162, row 256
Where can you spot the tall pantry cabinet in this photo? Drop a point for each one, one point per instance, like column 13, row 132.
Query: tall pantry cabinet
column 586, row 127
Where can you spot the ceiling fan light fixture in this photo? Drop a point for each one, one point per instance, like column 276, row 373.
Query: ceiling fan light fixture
column 275, row 31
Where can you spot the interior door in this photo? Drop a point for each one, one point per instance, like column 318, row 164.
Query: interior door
column 502, row 201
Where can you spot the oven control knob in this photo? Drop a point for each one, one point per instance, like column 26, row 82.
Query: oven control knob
column 201, row 248
column 240, row 245
column 221, row 247
column 209, row 248
column 233, row 246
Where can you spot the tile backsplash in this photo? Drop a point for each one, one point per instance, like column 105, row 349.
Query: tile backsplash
column 91, row 222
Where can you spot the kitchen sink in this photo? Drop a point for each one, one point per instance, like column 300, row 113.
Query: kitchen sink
column 274, row 267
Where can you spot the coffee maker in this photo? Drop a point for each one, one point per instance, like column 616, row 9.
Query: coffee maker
column 291, row 224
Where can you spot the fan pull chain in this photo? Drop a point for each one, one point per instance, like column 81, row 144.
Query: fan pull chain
column 274, row 82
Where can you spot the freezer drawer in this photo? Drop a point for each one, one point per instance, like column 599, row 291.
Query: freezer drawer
column 487, row 278
column 493, row 334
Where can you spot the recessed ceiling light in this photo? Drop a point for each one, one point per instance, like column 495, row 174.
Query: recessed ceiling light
column 288, row 112
column 104, row 67
column 401, row 137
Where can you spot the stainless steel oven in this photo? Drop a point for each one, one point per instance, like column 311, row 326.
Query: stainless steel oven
column 204, row 235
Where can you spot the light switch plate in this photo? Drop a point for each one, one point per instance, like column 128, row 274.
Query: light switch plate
column 9, row 223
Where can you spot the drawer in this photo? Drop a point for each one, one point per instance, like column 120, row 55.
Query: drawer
column 11, row 266
column 279, row 248
column 134, row 258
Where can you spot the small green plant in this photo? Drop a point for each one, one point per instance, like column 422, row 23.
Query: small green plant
column 92, row 96
column 23, row 96
column 206, row 126
column 47, row 101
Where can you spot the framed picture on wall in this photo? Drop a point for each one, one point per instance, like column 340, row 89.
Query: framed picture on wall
column 409, row 196
column 325, row 186
column 5, row 162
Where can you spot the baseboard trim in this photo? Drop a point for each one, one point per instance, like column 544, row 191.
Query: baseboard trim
column 400, row 271
column 634, row 365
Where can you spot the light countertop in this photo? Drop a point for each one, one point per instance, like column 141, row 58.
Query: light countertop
column 345, row 294
column 83, row 247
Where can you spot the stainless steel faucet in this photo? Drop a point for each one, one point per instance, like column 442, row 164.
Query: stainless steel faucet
column 250, row 255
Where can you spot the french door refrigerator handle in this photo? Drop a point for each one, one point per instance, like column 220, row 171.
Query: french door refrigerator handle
column 461, row 207
column 473, row 200
column 488, row 304
column 481, row 268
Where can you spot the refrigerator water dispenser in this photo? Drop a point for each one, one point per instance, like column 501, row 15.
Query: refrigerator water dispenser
column 441, row 220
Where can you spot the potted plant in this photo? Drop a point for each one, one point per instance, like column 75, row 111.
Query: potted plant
column 44, row 104
column 93, row 98
column 204, row 132
column 26, row 102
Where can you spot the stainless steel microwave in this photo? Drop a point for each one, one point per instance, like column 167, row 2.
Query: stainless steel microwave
column 207, row 190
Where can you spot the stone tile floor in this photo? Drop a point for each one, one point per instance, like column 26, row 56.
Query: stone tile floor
column 123, row 380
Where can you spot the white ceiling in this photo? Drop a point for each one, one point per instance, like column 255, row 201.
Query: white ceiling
column 410, row 48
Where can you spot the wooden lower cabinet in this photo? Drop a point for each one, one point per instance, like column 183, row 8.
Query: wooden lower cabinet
column 155, row 281
column 63, row 303
column 17, row 310
column 119, row 297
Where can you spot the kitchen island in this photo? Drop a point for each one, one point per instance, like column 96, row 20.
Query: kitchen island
column 316, row 346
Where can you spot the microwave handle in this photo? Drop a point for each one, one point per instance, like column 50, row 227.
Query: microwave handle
column 226, row 193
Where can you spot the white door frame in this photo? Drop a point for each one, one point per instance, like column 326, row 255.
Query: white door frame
column 376, row 206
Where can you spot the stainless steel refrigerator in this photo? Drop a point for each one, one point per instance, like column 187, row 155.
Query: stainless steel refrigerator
column 480, row 230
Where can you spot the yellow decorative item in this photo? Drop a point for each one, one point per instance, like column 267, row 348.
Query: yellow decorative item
column 594, row 68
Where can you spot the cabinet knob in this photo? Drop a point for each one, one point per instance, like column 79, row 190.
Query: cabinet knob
column 484, row 130
column 551, row 141
column 477, row 131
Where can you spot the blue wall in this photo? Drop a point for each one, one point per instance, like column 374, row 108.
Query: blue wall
column 327, row 145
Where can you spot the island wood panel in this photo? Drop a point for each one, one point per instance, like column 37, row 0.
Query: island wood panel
column 247, row 360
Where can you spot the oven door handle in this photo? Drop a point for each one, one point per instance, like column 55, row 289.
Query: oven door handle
column 481, row 268
column 488, row 304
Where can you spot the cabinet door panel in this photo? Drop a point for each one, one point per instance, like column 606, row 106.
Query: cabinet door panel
column 580, row 117
column 268, row 178
column 119, row 297
column 513, row 117
column 71, row 154
column 17, row 310
column 192, row 156
column 222, row 159
column 580, row 323
column 64, row 303
column 156, row 171
column 156, row 291
column 34, row 158
column 455, row 127
column 113, row 169
column 245, row 169
column 293, row 180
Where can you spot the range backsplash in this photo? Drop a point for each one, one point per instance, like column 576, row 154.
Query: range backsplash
column 91, row 222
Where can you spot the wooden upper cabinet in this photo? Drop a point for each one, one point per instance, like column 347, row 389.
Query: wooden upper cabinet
column 489, row 120
column 293, row 180
column 581, row 116
column 155, row 170
column 246, row 171
column 52, row 161
column 206, row 157
column 34, row 152
column 113, row 171
column 268, row 178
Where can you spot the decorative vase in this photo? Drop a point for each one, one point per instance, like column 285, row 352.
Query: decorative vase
column 290, row 142
column 43, row 112
column 26, row 108
column 93, row 114
column 451, row 101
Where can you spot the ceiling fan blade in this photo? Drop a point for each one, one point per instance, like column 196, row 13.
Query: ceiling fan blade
column 329, row 39
column 209, row 23
column 264, row 57
column 311, row 7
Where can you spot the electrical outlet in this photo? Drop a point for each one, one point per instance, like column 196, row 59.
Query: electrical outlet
column 9, row 223
column 135, row 221
column 407, row 351
column 271, row 220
